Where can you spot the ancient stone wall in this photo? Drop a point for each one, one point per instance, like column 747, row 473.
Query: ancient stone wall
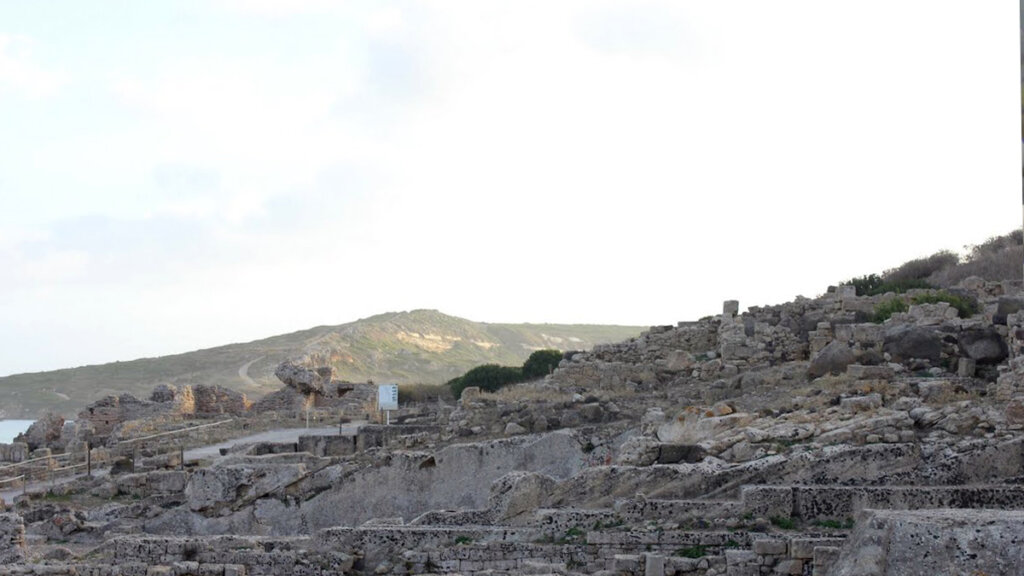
column 12, row 539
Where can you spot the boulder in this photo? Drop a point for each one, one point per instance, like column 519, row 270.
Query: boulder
column 43, row 432
column 305, row 380
column 1007, row 305
column 903, row 342
column 513, row 429
column 984, row 345
column 832, row 359
column 639, row 451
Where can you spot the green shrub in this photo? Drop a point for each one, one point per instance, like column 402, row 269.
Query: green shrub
column 489, row 377
column 874, row 285
column 541, row 363
column 783, row 522
column 423, row 392
column 697, row 551
column 886, row 309
column 965, row 306
column 837, row 525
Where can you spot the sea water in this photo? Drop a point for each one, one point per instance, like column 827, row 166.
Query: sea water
column 11, row 428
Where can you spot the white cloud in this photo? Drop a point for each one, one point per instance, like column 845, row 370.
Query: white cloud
column 21, row 74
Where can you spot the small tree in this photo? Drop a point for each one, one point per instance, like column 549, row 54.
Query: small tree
column 489, row 377
column 541, row 363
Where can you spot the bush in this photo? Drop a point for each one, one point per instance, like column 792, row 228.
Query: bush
column 921, row 268
column 423, row 392
column 886, row 309
column 697, row 551
column 965, row 306
column 541, row 363
column 489, row 377
column 996, row 259
column 783, row 522
column 873, row 285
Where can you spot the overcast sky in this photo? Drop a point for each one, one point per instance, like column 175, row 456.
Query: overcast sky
column 180, row 175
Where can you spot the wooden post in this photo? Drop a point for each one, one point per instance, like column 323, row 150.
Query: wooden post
column 88, row 459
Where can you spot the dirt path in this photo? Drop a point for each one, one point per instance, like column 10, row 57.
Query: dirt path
column 243, row 372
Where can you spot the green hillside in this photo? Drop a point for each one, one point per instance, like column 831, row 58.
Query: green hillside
column 422, row 346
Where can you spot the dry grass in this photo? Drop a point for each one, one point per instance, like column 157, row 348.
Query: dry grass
column 424, row 393
column 538, row 391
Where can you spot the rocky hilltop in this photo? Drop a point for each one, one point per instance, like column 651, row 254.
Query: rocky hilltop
column 422, row 346
column 813, row 437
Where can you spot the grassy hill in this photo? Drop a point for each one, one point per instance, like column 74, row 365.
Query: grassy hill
column 422, row 346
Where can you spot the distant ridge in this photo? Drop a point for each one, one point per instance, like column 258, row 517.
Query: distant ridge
column 405, row 347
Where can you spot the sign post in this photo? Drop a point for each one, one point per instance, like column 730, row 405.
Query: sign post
column 387, row 400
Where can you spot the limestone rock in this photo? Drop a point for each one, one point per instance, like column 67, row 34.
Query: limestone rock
column 303, row 379
column 862, row 403
column 639, row 451
column 929, row 542
column 690, row 428
column 1015, row 411
column 904, row 342
column 43, row 432
column 517, row 493
column 1007, row 305
column 229, row 484
column 983, row 345
column 164, row 393
column 12, row 539
column 833, row 358
column 218, row 400
column 513, row 429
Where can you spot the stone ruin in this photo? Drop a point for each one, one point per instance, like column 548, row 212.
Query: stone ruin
column 792, row 439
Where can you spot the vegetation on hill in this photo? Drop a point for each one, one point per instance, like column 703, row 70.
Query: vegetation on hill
column 418, row 347
column 491, row 377
column 998, row 258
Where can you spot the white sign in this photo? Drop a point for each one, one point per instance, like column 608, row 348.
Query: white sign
column 387, row 397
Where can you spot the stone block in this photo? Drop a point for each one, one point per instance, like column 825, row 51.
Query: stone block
column 824, row 558
column 159, row 571
column 675, row 453
column 770, row 547
column 731, row 307
column 861, row 403
column 654, row 565
column 794, row 567
column 803, row 548
column 767, row 501
column 861, row 372
column 966, row 367
column 629, row 563
column 740, row 558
